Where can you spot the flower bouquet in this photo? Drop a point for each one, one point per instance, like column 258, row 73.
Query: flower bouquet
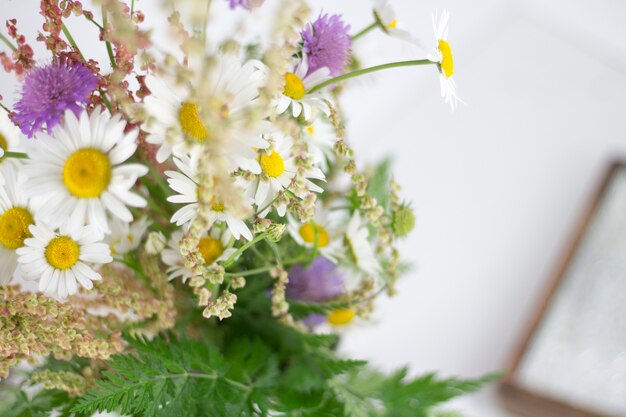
column 184, row 229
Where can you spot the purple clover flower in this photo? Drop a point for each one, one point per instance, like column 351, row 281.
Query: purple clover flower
column 327, row 44
column 49, row 91
column 246, row 4
column 319, row 282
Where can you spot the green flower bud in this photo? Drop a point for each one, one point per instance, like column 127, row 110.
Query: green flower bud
column 275, row 232
column 403, row 221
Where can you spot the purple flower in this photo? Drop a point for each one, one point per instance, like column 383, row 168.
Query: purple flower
column 319, row 282
column 246, row 4
column 327, row 44
column 48, row 91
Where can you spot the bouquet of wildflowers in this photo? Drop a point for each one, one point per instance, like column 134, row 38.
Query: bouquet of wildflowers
column 184, row 229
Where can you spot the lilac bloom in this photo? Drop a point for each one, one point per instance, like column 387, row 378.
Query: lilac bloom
column 49, row 91
column 320, row 282
column 327, row 44
column 246, row 4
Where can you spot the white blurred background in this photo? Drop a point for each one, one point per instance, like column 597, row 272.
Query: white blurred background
column 497, row 186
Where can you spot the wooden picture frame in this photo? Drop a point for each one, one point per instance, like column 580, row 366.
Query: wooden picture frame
column 521, row 398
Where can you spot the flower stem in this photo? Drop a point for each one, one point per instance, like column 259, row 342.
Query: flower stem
column 71, row 40
column 364, row 71
column 132, row 8
column 7, row 42
column 5, row 108
column 94, row 22
column 242, row 249
column 105, row 100
column 249, row 272
column 365, row 31
column 16, row 155
column 105, row 21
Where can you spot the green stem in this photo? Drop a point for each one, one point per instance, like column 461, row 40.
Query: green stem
column 5, row 108
column 369, row 70
column 94, row 22
column 159, row 180
column 71, row 40
column 7, row 42
column 132, row 8
column 105, row 20
column 243, row 248
column 249, row 272
column 105, row 100
column 365, row 31
column 16, row 155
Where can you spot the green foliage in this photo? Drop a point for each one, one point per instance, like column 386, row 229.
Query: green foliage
column 39, row 405
column 378, row 183
column 299, row 376
column 184, row 378
column 364, row 393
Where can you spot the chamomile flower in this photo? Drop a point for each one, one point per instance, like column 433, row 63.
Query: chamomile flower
column 295, row 94
column 60, row 260
column 212, row 248
column 185, row 183
column 320, row 138
column 16, row 216
column 80, row 173
column 126, row 237
column 279, row 169
column 359, row 248
column 11, row 140
column 316, row 231
column 387, row 19
column 442, row 55
column 176, row 115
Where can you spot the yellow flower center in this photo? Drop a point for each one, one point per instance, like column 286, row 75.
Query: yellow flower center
column 273, row 164
column 4, row 145
column 447, row 62
column 294, row 87
column 62, row 252
column 393, row 24
column 216, row 206
column 311, row 130
column 341, row 317
column 190, row 122
column 14, row 227
column 308, row 231
column 215, row 203
column 87, row 173
column 210, row 249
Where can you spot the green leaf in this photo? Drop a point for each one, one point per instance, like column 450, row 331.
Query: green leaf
column 39, row 405
column 378, row 183
column 179, row 377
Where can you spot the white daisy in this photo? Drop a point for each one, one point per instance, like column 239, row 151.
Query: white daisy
column 329, row 244
column 297, row 84
column 126, row 237
column 185, row 183
column 279, row 169
column 388, row 21
column 175, row 114
column 58, row 260
column 320, row 137
column 212, row 248
column 16, row 216
column 11, row 140
column 443, row 56
column 79, row 171
column 360, row 249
